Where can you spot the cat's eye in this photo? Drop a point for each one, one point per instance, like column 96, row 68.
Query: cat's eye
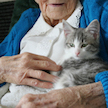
column 84, row 45
column 72, row 45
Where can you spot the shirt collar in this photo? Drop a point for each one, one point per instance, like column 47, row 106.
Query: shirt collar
column 41, row 27
column 74, row 19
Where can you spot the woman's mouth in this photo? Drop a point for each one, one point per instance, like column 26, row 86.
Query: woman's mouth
column 56, row 5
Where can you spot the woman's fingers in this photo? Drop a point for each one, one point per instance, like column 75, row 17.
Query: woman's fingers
column 35, row 57
column 42, row 76
column 36, row 83
column 37, row 62
column 38, row 57
column 44, row 65
column 38, row 78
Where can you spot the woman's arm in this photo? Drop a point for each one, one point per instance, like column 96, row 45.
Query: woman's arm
column 84, row 96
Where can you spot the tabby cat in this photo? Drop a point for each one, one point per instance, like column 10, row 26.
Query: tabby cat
column 80, row 61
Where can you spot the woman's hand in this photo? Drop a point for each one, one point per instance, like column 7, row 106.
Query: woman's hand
column 26, row 69
column 84, row 96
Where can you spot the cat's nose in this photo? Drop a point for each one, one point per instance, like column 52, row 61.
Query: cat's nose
column 77, row 53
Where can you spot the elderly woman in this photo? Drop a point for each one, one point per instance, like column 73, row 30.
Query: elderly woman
column 41, row 33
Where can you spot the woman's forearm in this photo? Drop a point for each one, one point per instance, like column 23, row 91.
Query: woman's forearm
column 91, row 95
column 84, row 96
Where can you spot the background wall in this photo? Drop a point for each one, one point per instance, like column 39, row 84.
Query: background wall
column 6, row 10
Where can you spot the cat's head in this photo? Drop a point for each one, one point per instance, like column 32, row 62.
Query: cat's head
column 82, row 42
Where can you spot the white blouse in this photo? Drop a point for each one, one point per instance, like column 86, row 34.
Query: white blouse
column 42, row 39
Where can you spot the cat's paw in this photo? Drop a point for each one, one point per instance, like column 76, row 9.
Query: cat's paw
column 58, row 85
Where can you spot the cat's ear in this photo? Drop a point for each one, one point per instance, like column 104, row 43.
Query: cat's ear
column 94, row 28
column 68, row 29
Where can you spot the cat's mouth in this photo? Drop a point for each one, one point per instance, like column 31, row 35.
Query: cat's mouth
column 77, row 57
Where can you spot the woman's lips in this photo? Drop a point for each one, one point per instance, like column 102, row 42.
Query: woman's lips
column 56, row 5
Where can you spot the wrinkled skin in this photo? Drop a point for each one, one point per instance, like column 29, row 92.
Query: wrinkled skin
column 53, row 13
column 25, row 69
column 85, row 96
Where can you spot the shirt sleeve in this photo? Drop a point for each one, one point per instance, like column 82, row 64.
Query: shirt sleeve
column 103, row 77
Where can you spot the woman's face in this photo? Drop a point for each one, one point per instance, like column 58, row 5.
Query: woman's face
column 57, row 9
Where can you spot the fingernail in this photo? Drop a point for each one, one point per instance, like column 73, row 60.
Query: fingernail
column 59, row 67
